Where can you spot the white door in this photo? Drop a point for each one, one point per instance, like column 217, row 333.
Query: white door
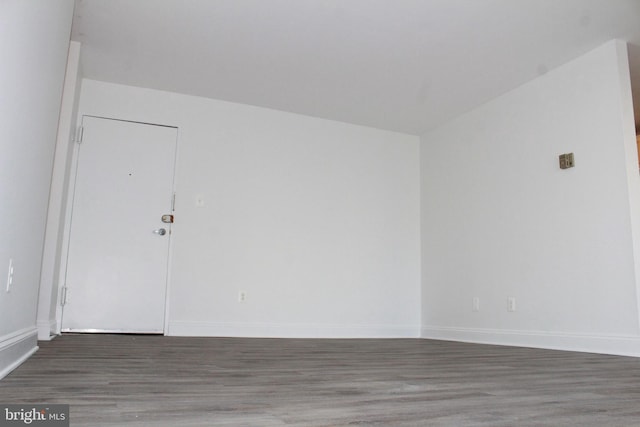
column 118, row 252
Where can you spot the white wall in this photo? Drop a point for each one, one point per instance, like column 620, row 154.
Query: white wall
column 34, row 38
column 500, row 219
column 316, row 220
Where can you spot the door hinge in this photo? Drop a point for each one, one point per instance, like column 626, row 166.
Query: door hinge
column 63, row 297
column 79, row 134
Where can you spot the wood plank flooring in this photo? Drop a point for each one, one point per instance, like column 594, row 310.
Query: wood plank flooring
column 129, row 380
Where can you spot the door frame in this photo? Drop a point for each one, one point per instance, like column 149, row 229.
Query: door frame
column 70, row 193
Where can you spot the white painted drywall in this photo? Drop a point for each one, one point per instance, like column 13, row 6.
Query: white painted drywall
column 631, row 155
column 500, row 219
column 316, row 220
column 34, row 39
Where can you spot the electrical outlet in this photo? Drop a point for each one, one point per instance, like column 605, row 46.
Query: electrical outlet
column 476, row 304
column 242, row 296
column 511, row 304
column 10, row 275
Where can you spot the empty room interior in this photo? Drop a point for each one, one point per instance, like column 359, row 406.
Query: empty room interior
column 321, row 212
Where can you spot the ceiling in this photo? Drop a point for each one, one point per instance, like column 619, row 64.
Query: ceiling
column 403, row 65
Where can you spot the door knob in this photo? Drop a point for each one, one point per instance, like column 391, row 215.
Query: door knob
column 160, row 231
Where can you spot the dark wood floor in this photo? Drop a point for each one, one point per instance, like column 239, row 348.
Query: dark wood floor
column 128, row 380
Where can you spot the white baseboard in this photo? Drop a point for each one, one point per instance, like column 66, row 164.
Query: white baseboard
column 15, row 348
column 288, row 330
column 46, row 329
column 622, row 345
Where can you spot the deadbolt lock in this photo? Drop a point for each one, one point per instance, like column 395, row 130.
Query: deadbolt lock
column 167, row 219
column 566, row 161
